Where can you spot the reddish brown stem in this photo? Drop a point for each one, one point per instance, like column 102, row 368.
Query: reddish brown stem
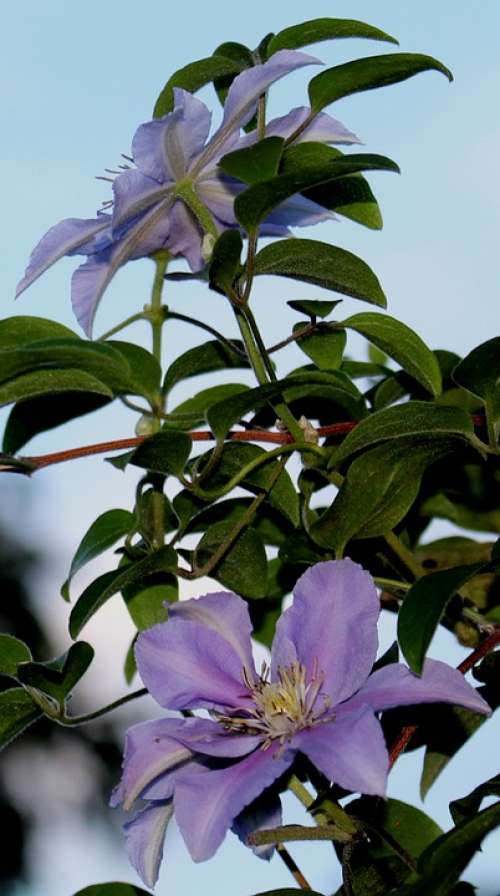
column 247, row 435
column 406, row 733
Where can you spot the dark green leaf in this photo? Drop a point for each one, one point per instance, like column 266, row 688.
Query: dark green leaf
column 366, row 74
column 104, row 532
column 113, row 889
column 194, row 410
column 12, row 652
column 120, row 461
column 408, row 826
column 379, row 489
column 325, row 347
column 95, row 358
column 144, row 377
column 243, row 567
column 317, row 30
column 240, row 54
column 400, row 343
column 225, row 264
column 415, row 418
column 352, row 197
column 146, row 600
column 130, row 665
column 17, row 712
column 468, row 806
column 97, row 593
column 204, row 358
column 21, row 330
column 321, row 264
column 150, row 503
column 479, row 372
column 391, row 655
column 166, row 452
column 254, row 163
column 49, row 382
column 193, row 76
column 446, row 729
column 36, row 415
column 258, row 201
column 314, row 307
column 287, row 891
column 57, row 679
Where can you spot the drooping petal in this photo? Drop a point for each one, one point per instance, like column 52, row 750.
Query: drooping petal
column 332, row 625
column 350, row 751
column 394, row 685
column 133, row 194
column 207, row 804
column 225, row 613
column 185, row 236
column 243, row 95
column 322, row 129
column 264, row 813
column 151, row 749
column 186, row 664
column 69, row 237
column 162, row 149
column 145, row 836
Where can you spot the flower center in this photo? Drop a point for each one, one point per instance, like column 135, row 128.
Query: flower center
column 280, row 708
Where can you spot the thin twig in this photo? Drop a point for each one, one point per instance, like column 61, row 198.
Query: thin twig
column 292, row 866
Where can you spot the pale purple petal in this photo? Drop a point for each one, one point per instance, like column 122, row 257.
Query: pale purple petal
column 243, row 95
column 163, row 149
column 218, row 194
column 185, row 236
column 322, row 129
column 133, row 194
column 395, row 685
column 350, row 751
column 151, row 749
column 184, row 665
column 207, row 804
column 145, row 836
column 332, row 625
column 225, row 613
column 71, row 236
column 298, row 211
column 264, row 813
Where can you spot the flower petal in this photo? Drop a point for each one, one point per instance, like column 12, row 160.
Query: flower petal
column 395, row 685
column 134, row 193
column 298, row 211
column 333, row 625
column 87, row 286
column 264, row 813
column 151, row 748
column 322, row 129
column 185, row 236
column 196, row 659
column 69, row 237
column 350, row 751
column 145, row 835
column 207, row 804
column 163, row 148
column 243, row 96
column 218, row 194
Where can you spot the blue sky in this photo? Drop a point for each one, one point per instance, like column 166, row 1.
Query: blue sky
column 80, row 78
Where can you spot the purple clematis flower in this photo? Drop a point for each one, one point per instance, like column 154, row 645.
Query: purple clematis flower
column 318, row 698
column 176, row 194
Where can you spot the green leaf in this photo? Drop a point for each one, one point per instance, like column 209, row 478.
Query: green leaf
column 325, row 347
column 99, row 591
column 48, row 382
column 113, row 889
column 408, row 826
column 366, row 74
column 415, row 418
column 146, row 600
column 254, row 163
column 57, row 678
column 166, row 453
column 317, row 30
column 401, row 343
column 35, row 415
column 17, row 712
column 379, row 489
column 255, row 203
column 193, row 411
column 193, row 76
column 240, row 54
column 352, row 197
column 446, row 729
column 424, row 605
column 225, row 264
column 206, row 358
column 104, row 532
column 130, row 665
column 479, row 372
column 468, row 806
column 148, row 505
column 12, row 652
column 21, row 330
column 328, row 266
column 243, row 568
column 314, row 307
column 287, row 891
column 144, row 377
column 92, row 357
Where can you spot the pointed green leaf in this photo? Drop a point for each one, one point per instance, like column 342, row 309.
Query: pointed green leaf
column 243, row 568
column 104, row 532
column 92, row 357
column 325, row 347
column 314, row 307
column 254, row 163
column 317, row 30
column 57, row 679
column 401, row 343
column 17, row 712
column 166, row 452
column 144, row 376
column 328, row 266
column 146, row 601
column 206, row 358
column 479, row 372
column 12, row 652
column 193, row 76
column 35, row 415
column 225, row 264
column 193, row 411
column 21, row 330
column 49, row 382
column 367, row 74
column 468, row 805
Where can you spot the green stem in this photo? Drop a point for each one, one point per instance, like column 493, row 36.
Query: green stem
column 253, row 354
column 155, row 312
column 405, row 556
column 81, row 720
column 174, row 315
column 186, row 191
column 125, row 323
column 296, row 832
column 391, row 584
column 300, row 791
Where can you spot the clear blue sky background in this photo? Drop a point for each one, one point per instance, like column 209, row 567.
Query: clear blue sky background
column 78, row 80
